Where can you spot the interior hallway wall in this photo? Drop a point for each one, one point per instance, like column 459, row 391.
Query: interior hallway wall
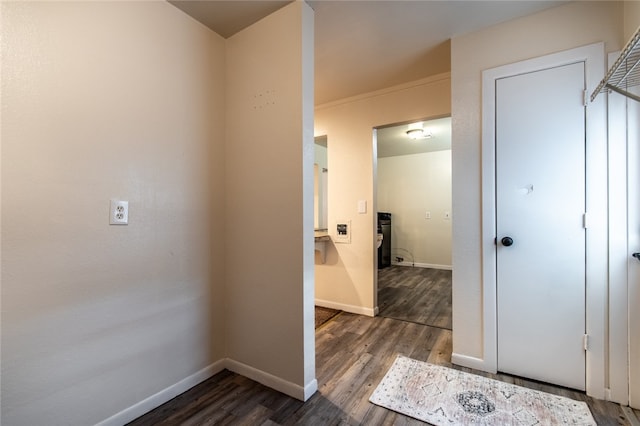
column 269, row 201
column 408, row 187
column 106, row 100
column 347, row 279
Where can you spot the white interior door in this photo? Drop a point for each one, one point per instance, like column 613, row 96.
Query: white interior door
column 540, row 206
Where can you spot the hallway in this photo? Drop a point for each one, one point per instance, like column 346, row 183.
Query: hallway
column 419, row 295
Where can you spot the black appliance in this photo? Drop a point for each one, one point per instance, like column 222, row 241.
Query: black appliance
column 384, row 251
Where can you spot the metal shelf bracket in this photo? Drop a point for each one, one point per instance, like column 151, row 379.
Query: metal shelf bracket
column 625, row 72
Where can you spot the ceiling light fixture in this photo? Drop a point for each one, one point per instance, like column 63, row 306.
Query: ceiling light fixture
column 415, row 133
column 418, row 134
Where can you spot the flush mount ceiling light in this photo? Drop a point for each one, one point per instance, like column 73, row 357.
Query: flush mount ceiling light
column 418, row 133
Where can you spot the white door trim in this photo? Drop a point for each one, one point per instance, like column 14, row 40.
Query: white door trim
column 632, row 128
column 619, row 249
column 596, row 196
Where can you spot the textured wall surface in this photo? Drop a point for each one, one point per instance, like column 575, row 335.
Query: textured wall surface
column 106, row 100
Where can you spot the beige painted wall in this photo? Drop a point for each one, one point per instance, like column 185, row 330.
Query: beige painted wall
column 631, row 18
column 104, row 100
column 347, row 279
column 553, row 30
column 269, row 199
column 408, row 187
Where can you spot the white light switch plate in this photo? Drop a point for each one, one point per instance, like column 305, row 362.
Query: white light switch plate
column 362, row 206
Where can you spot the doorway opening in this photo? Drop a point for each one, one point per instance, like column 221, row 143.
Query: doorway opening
column 412, row 187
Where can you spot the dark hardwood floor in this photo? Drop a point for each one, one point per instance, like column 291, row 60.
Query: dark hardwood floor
column 353, row 354
column 413, row 294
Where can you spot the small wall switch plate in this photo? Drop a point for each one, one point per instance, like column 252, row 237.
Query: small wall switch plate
column 362, row 206
column 427, row 215
column 119, row 212
column 343, row 232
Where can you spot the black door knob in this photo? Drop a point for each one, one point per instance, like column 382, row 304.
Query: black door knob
column 507, row 241
column 636, row 255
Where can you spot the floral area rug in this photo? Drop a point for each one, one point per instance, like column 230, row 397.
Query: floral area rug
column 444, row 396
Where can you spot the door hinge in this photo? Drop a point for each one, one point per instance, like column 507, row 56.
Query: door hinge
column 585, row 220
column 585, row 342
column 585, row 97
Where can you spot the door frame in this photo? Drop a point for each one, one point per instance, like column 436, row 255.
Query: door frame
column 632, row 128
column 596, row 191
column 619, row 249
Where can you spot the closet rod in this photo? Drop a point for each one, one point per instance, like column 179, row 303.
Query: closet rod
column 623, row 92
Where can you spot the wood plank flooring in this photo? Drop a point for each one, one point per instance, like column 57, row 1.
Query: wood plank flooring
column 419, row 295
column 353, row 353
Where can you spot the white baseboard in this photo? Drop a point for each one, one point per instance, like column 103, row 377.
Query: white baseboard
column 471, row 362
column 423, row 265
column 360, row 310
column 288, row 388
column 167, row 394
column 310, row 389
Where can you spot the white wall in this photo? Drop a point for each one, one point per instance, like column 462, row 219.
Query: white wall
column 347, row 279
column 557, row 29
column 269, row 201
column 408, row 187
column 633, row 142
column 103, row 100
column 631, row 132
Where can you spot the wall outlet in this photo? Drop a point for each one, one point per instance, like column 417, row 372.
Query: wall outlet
column 119, row 212
column 427, row 215
column 343, row 232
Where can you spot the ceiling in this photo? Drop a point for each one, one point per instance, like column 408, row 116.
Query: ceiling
column 393, row 141
column 227, row 17
column 366, row 45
